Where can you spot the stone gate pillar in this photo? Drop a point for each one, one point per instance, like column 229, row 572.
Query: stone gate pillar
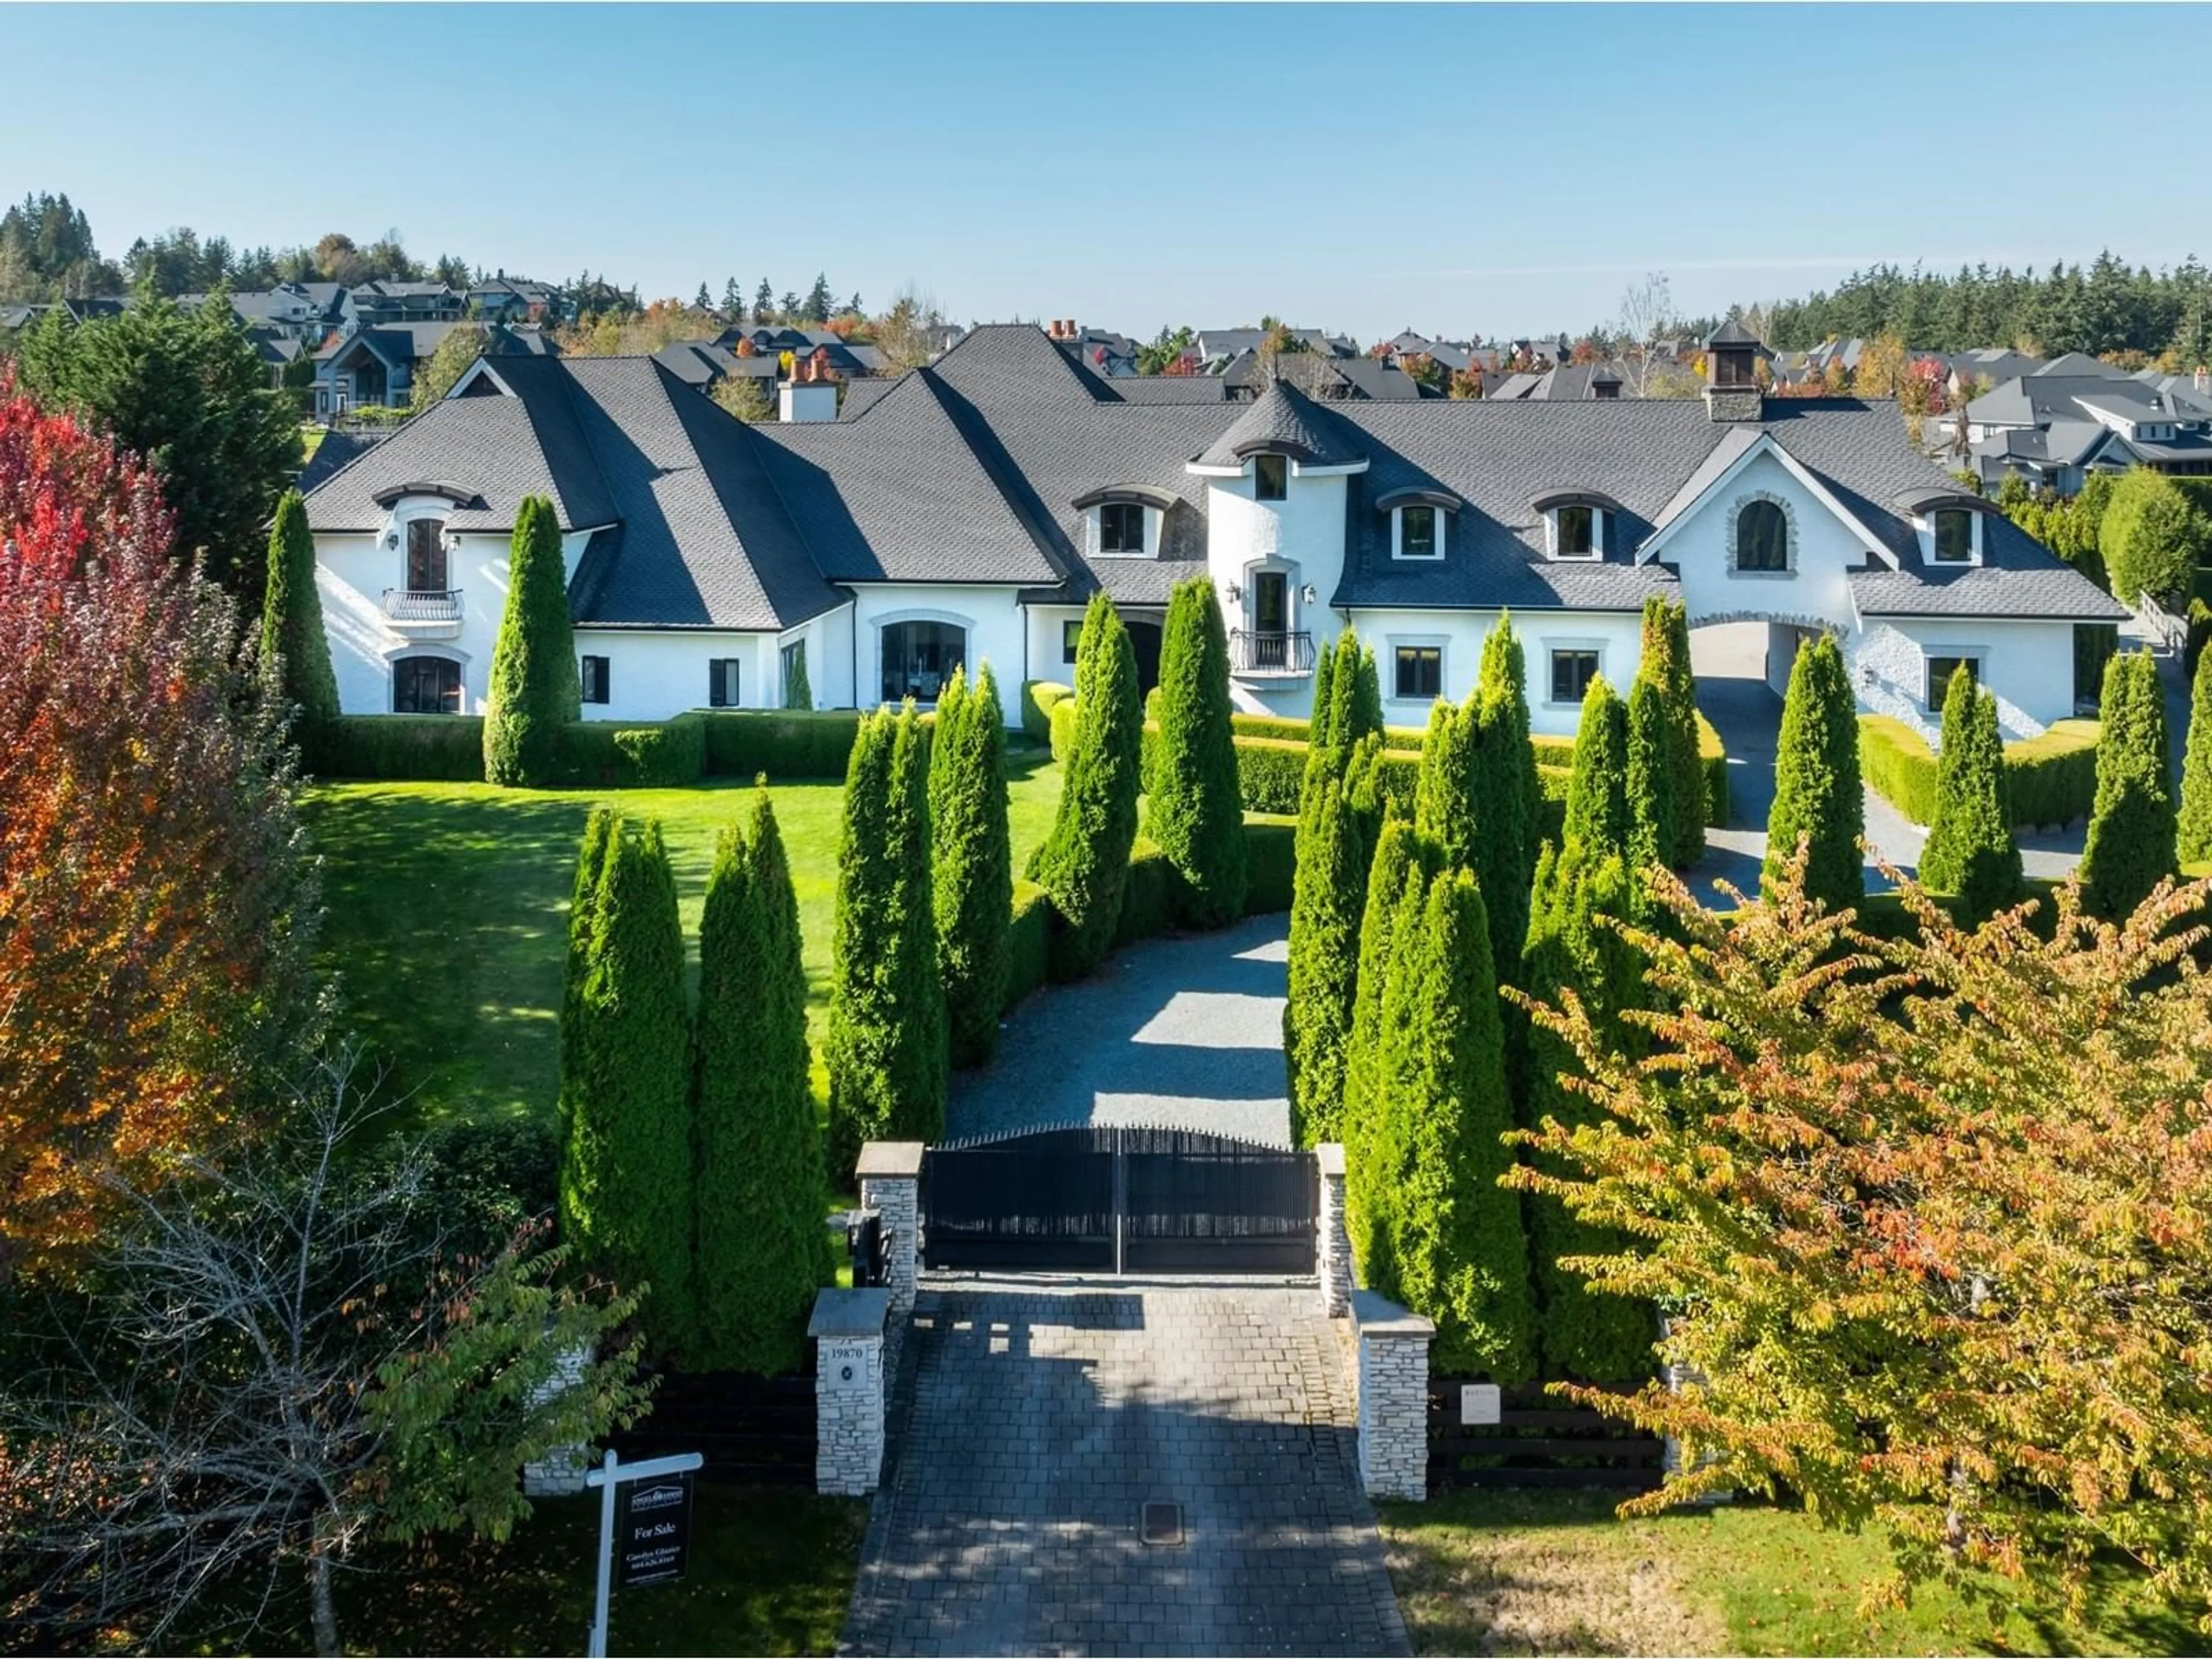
column 1393, row 1397
column 890, row 1185
column 1333, row 1243
column 847, row 1332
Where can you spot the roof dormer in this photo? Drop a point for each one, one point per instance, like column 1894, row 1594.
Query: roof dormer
column 1580, row 525
column 1420, row 517
column 1292, row 434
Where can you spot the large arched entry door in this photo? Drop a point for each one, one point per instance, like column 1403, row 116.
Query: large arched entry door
column 919, row 657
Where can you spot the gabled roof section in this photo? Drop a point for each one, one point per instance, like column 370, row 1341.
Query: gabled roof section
column 1736, row 451
column 1283, row 420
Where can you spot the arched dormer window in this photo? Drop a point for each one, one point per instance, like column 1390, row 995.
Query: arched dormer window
column 1419, row 519
column 1124, row 521
column 1578, row 524
column 1762, row 537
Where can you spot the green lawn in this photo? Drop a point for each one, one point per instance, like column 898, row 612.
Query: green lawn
column 448, row 904
column 1503, row 1572
column 771, row 1572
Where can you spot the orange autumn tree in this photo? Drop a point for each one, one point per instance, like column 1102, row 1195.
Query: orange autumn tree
column 1932, row 1217
column 155, row 899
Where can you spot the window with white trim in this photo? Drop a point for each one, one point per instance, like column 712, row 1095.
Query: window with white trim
column 1271, row 477
column 593, row 672
column 722, row 683
column 1419, row 671
column 1577, row 532
column 1762, row 536
column 1955, row 536
column 1071, row 638
column 1421, row 532
column 1941, row 667
column 1573, row 668
column 1121, row 527
column 426, row 685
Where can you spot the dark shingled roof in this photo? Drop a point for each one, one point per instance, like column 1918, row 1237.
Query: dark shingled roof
column 1282, row 420
column 969, row 472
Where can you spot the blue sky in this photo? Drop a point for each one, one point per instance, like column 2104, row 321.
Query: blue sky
column 1497, row 170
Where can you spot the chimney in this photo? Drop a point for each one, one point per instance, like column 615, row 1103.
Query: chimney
column 1732, row 391
column 2202, row 381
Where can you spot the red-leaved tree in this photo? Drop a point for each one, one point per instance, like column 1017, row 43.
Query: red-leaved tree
column 155, row 896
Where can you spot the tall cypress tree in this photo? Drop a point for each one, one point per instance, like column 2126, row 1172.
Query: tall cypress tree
column 1588, row 1336
column 293, row 647
column 1321, row 724
column 600, row 830
column 1652, row 831
column 974, row 875
column 1195, row 812
column 534, row 690
column 1503, row 677
column 1329, row 898
column 2193, row 832
column 760, row 1246
column 1443, row 789
column 1971, row 852
column 1597, row 793
column 626, row 1181
column 1386, row 1058
column 1457, row 1252
column 798, row 694
column 2131, row 846
column 866, row 890
column 1083, row 864
column 1817, row 792
column 920, row 1060
column 1666, row 663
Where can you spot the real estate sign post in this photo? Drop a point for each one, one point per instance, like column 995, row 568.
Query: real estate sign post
column 656, row 1527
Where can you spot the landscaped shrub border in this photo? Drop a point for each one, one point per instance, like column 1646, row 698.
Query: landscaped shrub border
column 623, row 754
column 2053, row 778
column 1039, row 699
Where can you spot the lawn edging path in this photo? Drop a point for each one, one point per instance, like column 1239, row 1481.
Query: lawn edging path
column 1184, row 1032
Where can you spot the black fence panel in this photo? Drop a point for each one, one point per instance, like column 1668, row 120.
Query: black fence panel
column 1538, row 1439
column 751, row 1429
column 1042, row 1202
column 1130, row 1200
column 1205, row 1203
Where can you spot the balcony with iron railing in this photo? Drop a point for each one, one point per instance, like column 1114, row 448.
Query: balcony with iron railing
column 1270, row 653
column 423, row 613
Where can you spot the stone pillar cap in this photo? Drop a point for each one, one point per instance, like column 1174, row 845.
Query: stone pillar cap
column 1330, row 1153
column 1377, row 1315
column 849, row 1313
column 893, row 1160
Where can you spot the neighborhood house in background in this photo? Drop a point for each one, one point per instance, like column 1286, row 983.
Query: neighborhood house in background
column 967, row 510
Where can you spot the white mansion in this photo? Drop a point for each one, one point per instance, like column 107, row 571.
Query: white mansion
column 966, row 511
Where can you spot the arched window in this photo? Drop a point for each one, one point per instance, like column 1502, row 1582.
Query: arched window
column 1762, row 536
column 426, row 685
column 919, row 657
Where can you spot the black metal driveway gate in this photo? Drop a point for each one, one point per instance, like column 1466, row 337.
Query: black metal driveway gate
column 1118, row 1199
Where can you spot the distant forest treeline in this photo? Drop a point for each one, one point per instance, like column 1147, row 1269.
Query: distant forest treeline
column 2104, row 308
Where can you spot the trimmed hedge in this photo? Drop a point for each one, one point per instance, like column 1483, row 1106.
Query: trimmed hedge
column 743, row 743
column 1060, row 725
column 1027, row 940
column 1039, row 699
column 657, row 754
column 2051, row 779
column 395, row 748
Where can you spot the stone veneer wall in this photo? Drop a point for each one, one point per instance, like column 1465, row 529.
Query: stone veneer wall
column 1334, row 1251
column 560, row 1472
column 1393, row 1397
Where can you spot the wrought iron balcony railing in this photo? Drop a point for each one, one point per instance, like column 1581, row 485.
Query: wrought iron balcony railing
column 1267, row 652
column 415, row 604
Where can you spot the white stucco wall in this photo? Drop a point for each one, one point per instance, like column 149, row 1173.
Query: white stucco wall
column 1046, row 655
column 1823, row 550
column 1303, row 536
column 351, row 574
column 996, row 633
column 2028, row 665
column 1617, row 637
column 651, row 675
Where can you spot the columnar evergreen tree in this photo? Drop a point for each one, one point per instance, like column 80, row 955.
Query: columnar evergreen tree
column 1443, row 791
column 1457, row 1252
column 1510, row 791
column 1329, row 899
column 1195, row 812
column 1391, row 941
column 1666, row 663
column 1597, row 793
column 1971, row 852
column 534, row 690
column 293, row 647
column 1817, row 791
column 761, row 1248
column 886, row 1045
column 798, row 694
column 1589, row 1337
column 2131, row 845
column 2193, row 832
column 599, row 831
column 1652, row 828
column 974, row 876
column 1320, row 727
column 626, row 1183
column 1083, row 864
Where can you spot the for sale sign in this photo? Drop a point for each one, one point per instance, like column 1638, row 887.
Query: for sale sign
column 653, row 1539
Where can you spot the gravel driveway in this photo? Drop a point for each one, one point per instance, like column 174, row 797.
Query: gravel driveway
column 1185, row 1033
